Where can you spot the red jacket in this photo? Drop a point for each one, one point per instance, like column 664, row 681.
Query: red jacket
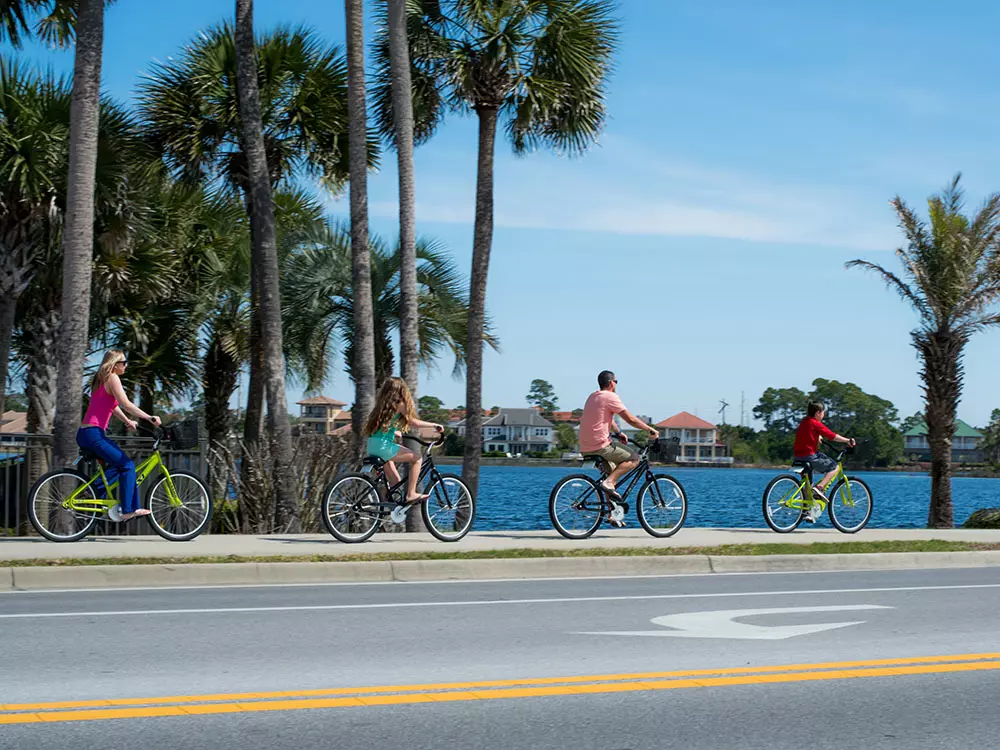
column 808, row 435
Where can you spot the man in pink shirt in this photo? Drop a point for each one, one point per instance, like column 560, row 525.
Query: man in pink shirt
column 597, row 424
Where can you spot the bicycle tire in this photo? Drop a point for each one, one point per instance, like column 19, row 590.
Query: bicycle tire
column 844, row 528
column 796, row 518
column 464, row 510
column 587, row 528
column 375, row 517
column 642, row 509
column 167, row 520
column 88, row 519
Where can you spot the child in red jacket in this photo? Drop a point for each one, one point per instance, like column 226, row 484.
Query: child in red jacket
column 811, row 429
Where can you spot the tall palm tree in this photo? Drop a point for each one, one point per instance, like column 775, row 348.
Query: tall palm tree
column 393, row 34
column 78, row 232
column 191, row 112
column 540, row 64
column 363, row 349
column 319, row 305
column 951, row 277
column 264, row 254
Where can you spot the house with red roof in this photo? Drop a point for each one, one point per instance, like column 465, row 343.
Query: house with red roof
column 699, row 441
column 322, row 415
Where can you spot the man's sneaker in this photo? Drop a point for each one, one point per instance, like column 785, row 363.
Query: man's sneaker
column 820, row 494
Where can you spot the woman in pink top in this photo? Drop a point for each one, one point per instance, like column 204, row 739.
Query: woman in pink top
column 107, row 397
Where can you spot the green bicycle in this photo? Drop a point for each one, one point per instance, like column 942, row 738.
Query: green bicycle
column 788, row 497
column 64, row 504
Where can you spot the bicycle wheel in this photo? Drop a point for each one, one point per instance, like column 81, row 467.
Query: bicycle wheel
column 575, row 506
column 784, row 503
column 449, row 510
column 351, row 510
column 46, row 511
column 186, row 517
column 850, row 505
column 662, row 506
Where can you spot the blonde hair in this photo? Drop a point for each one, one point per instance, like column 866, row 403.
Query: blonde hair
column 393, row 398
column 112, row 358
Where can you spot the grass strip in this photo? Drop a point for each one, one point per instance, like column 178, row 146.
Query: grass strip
column 814, row 548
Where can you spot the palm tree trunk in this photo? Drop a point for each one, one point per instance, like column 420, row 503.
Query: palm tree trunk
column 147, row 397
column 361, row 275
column 78, row 232
column 8, row 307
column 253, row 425
column 941, row 353
column 264, row 238
column 219, row 379
column 481, row 244
column 402, row 112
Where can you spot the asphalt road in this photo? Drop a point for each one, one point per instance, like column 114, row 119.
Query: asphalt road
column 582, row 664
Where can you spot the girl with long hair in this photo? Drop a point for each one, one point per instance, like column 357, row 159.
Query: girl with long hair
column 107, row 398
column 393, row 415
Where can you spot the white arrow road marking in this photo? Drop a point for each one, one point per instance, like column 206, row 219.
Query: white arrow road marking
column 721, row 623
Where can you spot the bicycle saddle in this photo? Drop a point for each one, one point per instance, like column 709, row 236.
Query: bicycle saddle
column 373, row 461
column 88, row 455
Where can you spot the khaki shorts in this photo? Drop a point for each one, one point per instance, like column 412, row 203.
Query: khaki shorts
column 614, row 454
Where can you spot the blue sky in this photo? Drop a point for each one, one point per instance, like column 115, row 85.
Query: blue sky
column 699, row 249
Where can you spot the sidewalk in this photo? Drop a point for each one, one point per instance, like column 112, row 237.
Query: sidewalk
column 306, row 545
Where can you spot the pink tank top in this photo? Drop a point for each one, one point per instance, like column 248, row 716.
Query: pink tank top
column 101, row 406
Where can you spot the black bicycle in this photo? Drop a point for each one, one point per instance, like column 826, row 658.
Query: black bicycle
column 579, row 504
column 356, row 504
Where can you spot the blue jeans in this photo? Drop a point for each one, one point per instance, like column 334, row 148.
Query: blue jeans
column 120, row 466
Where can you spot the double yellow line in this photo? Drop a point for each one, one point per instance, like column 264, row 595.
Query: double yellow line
column 387, row 695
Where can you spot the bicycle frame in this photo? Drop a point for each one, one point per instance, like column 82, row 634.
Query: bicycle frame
column 101, row 505
column 426, row 468
column 631, row 478
column 802, row 496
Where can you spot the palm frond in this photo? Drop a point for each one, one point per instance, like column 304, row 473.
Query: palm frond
column 893, row 282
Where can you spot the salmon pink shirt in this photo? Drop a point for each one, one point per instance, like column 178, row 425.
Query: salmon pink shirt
column 595, row 423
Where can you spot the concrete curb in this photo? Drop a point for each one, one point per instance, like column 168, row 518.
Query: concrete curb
column 233, row 574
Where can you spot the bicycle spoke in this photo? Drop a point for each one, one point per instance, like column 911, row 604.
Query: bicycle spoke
column 783, row 503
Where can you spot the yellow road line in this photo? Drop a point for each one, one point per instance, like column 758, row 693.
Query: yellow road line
column 266, row 695
column 536, row 688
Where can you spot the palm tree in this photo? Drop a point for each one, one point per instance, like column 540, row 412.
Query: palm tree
column 78, row 232
column 33, row 135
column 543, row 65
column 319, row 305
column 191, row 112
column 363, row 345
column 393, row 34
column 951, row 277
column 35, row 146
column 264, row 254
column 60, row 21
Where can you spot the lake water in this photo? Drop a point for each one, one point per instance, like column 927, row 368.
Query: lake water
column 517, row 497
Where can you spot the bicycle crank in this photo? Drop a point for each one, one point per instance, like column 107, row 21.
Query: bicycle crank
column 399, row 513
column 617, row 514
column 115, row 513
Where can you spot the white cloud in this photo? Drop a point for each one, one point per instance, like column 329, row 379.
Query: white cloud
column 624, row 190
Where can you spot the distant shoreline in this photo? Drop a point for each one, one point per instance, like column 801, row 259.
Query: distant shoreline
column 555, row 462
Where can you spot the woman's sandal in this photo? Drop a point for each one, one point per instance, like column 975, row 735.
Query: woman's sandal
column 415, row 500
